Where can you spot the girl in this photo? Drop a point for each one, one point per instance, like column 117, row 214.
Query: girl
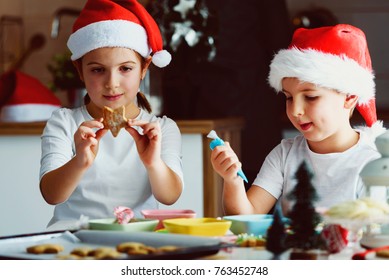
column 85, row 170
column 324, row 74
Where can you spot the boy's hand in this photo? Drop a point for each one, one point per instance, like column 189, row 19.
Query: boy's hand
column 225, row 162
column 87, row 141
column 148, row 144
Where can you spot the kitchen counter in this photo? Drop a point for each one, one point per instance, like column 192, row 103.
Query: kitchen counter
column 228, row 128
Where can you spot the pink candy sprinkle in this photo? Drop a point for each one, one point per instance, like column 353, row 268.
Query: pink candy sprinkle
column 123, row 214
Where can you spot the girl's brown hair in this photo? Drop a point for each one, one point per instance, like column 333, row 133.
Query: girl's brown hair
column 140, row 97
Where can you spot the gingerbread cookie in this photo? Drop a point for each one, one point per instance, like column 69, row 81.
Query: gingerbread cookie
column 383, row 253
column 135, row 248
column 45, row 249
column 114, row 119
column 68, row 257
column 81, row 251
column 167, row 249
column 104, row 253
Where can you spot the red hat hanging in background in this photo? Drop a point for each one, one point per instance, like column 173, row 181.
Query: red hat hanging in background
column 25, row 99
column 127, row 24
column 335, row 57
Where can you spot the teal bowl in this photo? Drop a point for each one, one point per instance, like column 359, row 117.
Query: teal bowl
column 256, row 224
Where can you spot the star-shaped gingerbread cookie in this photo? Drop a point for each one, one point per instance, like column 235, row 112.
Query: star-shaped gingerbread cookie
column 114, row 119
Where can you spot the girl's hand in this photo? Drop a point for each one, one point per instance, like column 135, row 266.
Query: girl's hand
column 225, row 162
column 86, row 141
column 148, row 144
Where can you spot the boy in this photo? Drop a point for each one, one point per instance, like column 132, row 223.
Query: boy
column 325, row 73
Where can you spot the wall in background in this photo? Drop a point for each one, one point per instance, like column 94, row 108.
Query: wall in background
column 37, row 17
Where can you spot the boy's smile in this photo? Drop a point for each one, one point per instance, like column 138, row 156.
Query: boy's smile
column 306, row 126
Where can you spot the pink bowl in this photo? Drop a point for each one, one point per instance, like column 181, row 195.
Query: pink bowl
column 162, row 214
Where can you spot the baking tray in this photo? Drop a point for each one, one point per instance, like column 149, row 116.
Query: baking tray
column 192, row 247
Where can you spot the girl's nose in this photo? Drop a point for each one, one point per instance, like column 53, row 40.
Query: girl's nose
column 112, row 81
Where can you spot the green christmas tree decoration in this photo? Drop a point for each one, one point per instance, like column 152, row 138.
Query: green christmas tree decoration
column 276, row 234
column 304, row 218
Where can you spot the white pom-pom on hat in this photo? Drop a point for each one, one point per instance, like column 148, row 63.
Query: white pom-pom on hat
column 161, row 58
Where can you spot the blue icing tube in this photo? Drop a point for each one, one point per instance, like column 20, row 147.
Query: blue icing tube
column 219, row 142
column 216, row 142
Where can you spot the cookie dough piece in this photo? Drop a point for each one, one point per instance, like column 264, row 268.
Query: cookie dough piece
column 124, row 247
column 252, row 242
column 135, row 248
column 114, row 119
column 167, row 248
column 68, row 257
column 104, row 253
column 45, row 249
column 81, row 251
column 383, row 253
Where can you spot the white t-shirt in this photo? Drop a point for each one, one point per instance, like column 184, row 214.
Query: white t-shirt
column 336, row 175
column 117, row 177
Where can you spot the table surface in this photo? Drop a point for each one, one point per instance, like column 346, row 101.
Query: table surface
column 231, row 252
column 260, row 253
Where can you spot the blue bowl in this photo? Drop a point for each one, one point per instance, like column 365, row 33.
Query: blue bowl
column 256, row 224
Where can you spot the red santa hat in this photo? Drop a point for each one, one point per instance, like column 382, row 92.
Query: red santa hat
column 335, row 57
column 107, row 23
column 26, row 100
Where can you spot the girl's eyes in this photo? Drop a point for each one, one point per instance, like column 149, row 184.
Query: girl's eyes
column 125, row 68
column 101, row 69
column 97, row 70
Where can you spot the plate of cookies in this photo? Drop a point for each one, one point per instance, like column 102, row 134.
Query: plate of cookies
column 101, row 244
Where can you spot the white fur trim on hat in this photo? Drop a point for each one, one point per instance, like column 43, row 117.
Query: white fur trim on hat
column 323, row 69
column 109, row 33
column 374, row 131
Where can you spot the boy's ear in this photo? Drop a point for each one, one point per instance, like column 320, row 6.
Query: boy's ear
column 350, row 101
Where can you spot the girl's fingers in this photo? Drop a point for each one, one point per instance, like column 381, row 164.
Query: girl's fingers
column 134, row 133
column 85, row 132
column 93, row 124
column 85, row 129
column 140, row 123
column 150, row 129
column 100, row 133
column 151, row 132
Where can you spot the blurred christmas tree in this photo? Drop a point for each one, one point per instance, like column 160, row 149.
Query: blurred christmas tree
column 188, row 23
column 276, row 234
column 304, row 218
